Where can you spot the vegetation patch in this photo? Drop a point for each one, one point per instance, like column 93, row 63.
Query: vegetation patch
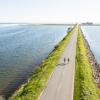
column 37, row 83
column 85, row 86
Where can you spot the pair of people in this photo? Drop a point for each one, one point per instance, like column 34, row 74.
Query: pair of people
column 65, row 60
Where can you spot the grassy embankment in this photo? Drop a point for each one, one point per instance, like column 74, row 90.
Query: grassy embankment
column 85, row 86
column 33, row 89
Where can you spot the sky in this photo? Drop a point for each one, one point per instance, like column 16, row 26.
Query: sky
column 50, row 11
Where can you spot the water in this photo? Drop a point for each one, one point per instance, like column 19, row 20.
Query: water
column 92, row 34
column 22, row 48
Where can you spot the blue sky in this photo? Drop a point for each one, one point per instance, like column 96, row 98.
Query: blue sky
column 49, row 11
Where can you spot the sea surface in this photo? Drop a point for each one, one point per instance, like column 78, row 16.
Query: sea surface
column 22, row 49
column 92, row 34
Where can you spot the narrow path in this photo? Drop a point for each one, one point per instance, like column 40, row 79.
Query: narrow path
column 61, row 84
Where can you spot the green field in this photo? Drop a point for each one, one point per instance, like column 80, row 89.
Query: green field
column 85, row 86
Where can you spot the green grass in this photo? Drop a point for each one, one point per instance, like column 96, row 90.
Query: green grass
column 85, row 86
column 37, row 83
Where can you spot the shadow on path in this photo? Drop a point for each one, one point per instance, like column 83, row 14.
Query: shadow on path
column 62, row 64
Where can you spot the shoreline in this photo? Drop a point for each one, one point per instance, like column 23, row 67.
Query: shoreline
column 95, row 65
column 39, row 73
column 85, row 87
column 24, row 81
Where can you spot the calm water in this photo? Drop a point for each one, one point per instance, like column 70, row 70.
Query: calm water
column 92, row 34
column 22, row 48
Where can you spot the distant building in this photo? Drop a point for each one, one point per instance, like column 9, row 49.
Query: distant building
column 87, row 23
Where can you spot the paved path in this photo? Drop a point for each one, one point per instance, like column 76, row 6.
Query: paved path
column 61, row 84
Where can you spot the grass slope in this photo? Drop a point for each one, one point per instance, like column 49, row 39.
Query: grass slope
column 33, row 89
column 85, row 86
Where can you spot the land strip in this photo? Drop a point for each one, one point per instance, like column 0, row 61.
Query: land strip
column 61, row 84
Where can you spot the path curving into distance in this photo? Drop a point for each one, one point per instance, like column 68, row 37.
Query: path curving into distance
column 61, row 83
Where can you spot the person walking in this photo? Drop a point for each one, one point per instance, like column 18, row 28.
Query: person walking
column 68, row 60
column 64, row 60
